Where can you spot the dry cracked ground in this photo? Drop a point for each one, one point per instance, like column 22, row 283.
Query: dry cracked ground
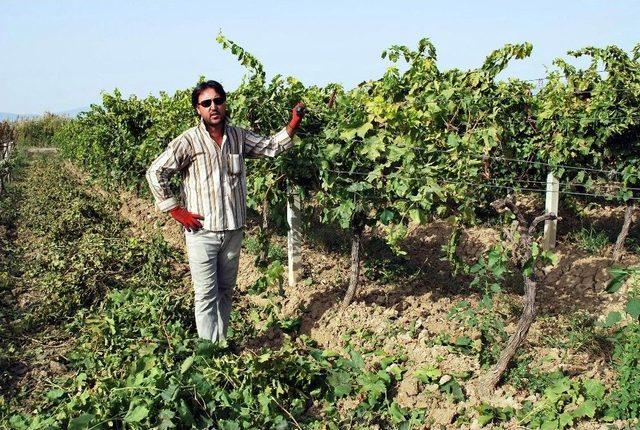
column 411, row 315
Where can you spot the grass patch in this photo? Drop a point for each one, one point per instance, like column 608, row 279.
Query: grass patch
column 590, row 240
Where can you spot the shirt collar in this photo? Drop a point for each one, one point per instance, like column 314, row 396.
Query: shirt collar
column 205, row 132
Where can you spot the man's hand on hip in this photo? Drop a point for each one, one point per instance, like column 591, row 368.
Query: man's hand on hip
column 187, row 219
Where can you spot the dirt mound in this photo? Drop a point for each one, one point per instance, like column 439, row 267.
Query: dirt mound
column 409, row 316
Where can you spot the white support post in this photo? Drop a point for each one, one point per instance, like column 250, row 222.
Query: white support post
column 294, row 237
column 550, row 227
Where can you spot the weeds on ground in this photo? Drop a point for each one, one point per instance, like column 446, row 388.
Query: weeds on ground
column 134, row 360
column 252, row 244
column 590, row 240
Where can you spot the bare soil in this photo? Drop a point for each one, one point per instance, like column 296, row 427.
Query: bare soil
column 410, row 315
column 42, row 150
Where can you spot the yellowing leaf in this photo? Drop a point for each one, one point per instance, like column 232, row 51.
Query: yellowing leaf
column 186, row 364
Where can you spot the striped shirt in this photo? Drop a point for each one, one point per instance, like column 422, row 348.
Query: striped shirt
column 214, row 181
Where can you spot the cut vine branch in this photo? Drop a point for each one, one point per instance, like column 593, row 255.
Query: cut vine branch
column 624, row 232
column 522, row 256
column 356, row 239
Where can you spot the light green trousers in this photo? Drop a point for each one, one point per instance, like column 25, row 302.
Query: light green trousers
column 213, row 260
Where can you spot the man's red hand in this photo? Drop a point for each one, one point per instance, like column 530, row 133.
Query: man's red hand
column 297, row 113
column 187, row 219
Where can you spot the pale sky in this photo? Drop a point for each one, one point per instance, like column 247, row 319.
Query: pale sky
column 59, row 55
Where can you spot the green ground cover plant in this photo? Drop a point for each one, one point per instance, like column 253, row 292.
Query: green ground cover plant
column 133, row 360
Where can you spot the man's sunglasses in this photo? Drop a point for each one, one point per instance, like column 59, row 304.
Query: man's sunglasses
column 217, row 100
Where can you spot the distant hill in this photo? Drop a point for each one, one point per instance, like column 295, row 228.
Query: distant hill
column 71, row 113
column 13, row 116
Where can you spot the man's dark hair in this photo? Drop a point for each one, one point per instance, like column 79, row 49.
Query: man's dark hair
column 217, row 86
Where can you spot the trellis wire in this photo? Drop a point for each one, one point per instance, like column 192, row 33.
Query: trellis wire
column 520, row 160
column 502, row 186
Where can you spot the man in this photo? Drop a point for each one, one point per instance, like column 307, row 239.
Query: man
column 210, row 158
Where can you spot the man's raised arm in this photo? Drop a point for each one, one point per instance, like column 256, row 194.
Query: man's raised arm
column 258, row 146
